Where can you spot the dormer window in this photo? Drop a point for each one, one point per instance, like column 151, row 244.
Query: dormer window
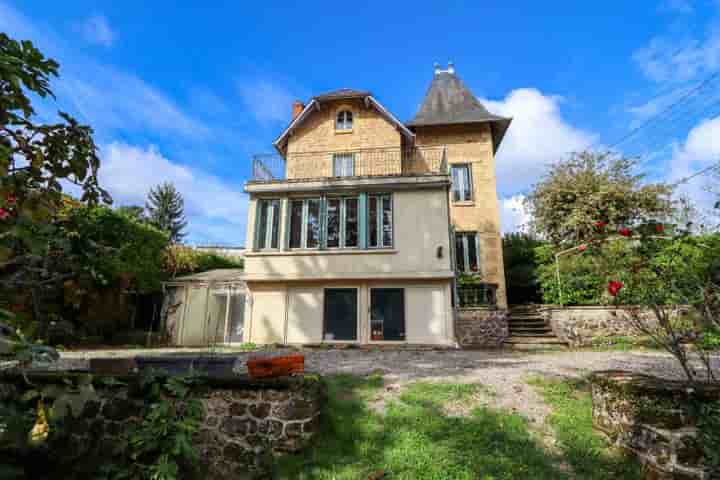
column 344, row 120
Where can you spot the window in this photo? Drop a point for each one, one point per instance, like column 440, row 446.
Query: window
column 340, row 314
column 343, row 164
column 342, row 222
column 467, row 252
column 380, row 221
column 387, row 314
column 305, row 223
column 461, row 183
column 344, row 120
column 268, row 223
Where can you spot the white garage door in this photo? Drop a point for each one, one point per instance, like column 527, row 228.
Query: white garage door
column 268, row 317
column 305, row 315
column 426, row 320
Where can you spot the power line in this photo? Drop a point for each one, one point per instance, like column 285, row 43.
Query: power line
column 705, row 170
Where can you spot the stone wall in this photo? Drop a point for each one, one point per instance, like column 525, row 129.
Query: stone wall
column 246, row 422
column 481, row 327
column 653, row 419
column 578, row 326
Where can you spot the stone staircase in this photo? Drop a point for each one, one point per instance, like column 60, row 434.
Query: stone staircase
column 529, row 330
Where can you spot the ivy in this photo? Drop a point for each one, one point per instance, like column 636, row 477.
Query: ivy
column 709, row 434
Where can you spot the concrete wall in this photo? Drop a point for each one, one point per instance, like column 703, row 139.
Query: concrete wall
column 473, row 144
column 292, row 312
column 419, row 228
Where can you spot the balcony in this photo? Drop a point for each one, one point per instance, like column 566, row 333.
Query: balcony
column 371, row 162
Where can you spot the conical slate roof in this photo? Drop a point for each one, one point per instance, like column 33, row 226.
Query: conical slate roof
column 449, row 102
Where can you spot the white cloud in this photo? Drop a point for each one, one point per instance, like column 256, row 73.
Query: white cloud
column 676, row 6
column 266, row 100
column 217, row 211
column 514, row 217
column 96, row 30
column 672, row 59
column 701, row 149
column 538, row 136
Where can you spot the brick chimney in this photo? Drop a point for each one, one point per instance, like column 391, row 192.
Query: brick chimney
column 297, row 108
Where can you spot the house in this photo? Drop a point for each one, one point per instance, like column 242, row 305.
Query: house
column 360, row 226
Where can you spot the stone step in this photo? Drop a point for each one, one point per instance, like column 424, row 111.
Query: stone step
column 531, row 330
column 527, row 322
column 525, row 317
column 533, row 334
column 515, row 339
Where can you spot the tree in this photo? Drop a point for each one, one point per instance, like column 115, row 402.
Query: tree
column 521, row 267
column 591, row 188
column 166, row 210
column 34, row 159
column 135, row 212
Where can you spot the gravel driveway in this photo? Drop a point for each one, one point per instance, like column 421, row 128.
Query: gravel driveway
column 504, row 373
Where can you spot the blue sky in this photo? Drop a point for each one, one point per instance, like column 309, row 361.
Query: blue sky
column 189, row 93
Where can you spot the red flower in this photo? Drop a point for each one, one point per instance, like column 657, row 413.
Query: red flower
column 600, row 224
column 614, row 287
column 4, row 214
column 625, row 232
column 582, row 248
column 659, row 228
column 11, row 199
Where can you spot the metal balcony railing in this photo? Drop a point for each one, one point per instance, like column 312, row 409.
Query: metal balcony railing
column 478, row 295
column 350, row 163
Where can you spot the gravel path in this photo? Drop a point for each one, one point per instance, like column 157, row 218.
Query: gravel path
column 504, row 373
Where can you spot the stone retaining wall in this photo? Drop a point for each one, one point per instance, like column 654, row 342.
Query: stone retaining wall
column 481, row 327
column 653, row 419
column 578, row 326
column 246, row 421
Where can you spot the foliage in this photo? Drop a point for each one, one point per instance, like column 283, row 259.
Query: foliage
column 521, row 276
column 589, row 187
column 658, row 269
column 709, row 433
column 571, row 419
column 34, row 159
column 166, row 210
column 413, row 436
column 183, row 260
column 160, row 446
column 113, row 248
column 136, row 212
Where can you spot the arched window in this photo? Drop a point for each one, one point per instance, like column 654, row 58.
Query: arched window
column 344, row 120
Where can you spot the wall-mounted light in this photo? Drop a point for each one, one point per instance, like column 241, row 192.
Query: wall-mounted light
column 439, row 252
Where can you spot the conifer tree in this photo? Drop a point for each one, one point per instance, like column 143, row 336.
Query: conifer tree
column 166, row 210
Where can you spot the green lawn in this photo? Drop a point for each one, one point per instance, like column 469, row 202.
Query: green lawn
column 571, row 420
column 416, row 439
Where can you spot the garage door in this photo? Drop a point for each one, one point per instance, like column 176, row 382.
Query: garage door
column 268, row 317
column 426, row 315
column 304, row 315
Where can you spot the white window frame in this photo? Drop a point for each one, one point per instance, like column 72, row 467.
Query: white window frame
column 466, row 254
column 344, row 125
column 462, row 189
column 303, row 222
column 342, row 222
column 343, row 157
column 267, row 244
column 379, row 220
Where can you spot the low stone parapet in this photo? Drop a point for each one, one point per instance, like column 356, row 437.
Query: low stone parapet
column 654, row 419
column 481, row 327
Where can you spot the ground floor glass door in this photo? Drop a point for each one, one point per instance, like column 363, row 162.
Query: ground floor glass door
column 236, row 316
column 387, row 314
column 340, row 314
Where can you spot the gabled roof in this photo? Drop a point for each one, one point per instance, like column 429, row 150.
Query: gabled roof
column 448, row 102
column 344, row 93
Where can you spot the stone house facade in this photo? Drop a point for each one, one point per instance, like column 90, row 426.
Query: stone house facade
column 358, row 230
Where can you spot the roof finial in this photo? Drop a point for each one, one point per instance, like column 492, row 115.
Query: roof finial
column 451, row 68
column 437, row 68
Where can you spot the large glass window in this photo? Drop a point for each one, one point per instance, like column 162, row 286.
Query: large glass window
column 343, row 164
column 340, row 314
column 380, row 221
column 467, row 252
column 387, row 314
column 461, row 183
column 342, row 222
column 268, row 212
column 304, row 223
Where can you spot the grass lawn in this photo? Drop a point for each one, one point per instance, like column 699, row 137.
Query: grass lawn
column 583, row 449
column 415, row 438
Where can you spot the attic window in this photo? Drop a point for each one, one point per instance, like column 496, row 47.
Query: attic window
column 344, row 120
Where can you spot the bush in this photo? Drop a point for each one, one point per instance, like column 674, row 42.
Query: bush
column 182, row 260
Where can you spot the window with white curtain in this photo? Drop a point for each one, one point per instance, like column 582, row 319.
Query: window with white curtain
column 343, row 164
column 467, row 252
column 344, row 120
column 461, row 183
